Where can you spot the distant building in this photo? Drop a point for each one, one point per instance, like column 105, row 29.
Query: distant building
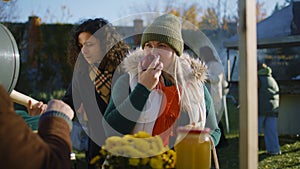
column 132, row 35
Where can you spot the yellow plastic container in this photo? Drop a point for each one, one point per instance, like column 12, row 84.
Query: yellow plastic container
column 193, row 148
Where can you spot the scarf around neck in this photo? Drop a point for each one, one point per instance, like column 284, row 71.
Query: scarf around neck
column 102, row 81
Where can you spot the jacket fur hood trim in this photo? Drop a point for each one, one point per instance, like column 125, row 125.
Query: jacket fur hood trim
column 191, row 67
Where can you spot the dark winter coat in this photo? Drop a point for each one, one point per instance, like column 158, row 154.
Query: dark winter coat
column 268, row 93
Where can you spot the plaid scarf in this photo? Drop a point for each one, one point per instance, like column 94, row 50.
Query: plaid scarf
column 102, row 81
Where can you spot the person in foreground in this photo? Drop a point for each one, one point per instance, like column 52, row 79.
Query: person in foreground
column 268, row 108
column 163, row 88
column 21, row 148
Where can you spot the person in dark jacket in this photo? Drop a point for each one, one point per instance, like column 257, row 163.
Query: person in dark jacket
column 268, row 105
column 95, row 51
column 21, row 148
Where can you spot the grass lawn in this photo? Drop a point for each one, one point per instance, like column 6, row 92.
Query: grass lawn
column 229, row 158
column 289, row 159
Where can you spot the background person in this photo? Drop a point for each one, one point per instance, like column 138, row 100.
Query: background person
column 268, row 108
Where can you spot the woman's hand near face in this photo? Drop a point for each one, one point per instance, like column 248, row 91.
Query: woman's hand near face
column 149, row 76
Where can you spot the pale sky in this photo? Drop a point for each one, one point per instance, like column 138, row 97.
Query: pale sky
column 72, row 11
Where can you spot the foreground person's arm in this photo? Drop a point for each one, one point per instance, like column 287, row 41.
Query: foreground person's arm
column 21, row 148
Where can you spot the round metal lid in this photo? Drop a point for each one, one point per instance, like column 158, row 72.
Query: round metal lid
column 9, row 59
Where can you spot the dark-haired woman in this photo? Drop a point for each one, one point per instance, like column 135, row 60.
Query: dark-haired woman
column 95, row 51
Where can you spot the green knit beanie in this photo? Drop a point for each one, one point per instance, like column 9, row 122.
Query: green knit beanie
column 167, row 29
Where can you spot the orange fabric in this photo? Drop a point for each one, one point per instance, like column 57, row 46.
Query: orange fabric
column 169, row 112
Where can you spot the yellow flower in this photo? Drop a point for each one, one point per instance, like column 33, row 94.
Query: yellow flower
column 103, row 152
column 134, row 161
column 140, row 149
column 144, row 161
column 114, row 141
column 165, row 157
column 95, row 159
column 156, row 163
column 126, row 151
column 142, row 134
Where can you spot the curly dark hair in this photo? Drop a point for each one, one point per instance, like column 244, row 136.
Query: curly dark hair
column 112, row 46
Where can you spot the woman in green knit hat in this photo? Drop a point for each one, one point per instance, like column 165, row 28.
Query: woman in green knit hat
column 162, row 89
